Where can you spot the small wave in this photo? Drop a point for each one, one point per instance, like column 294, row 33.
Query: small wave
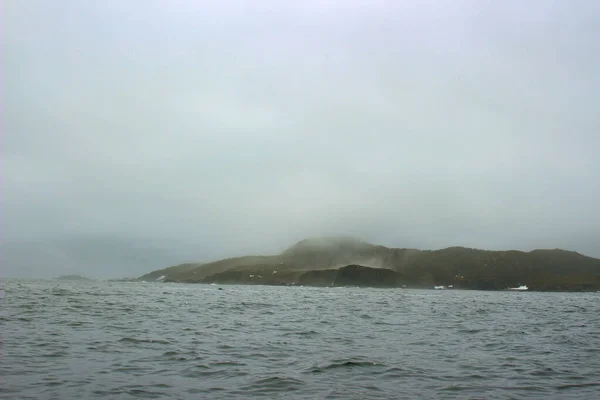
column 56, row 354
column 55, row 383
column 578, row 385
column 471, row 330
column 304, row 333
column 228, row 363
column 172, row 355
column 399, row 372
column 543, row 372
column 199, row 366
column 495, row 345
column 275, row 383
column 455, row 388
column 345, row 364
column 76, row 323
column 75, row 307
column 134, row 340
column 257, row 305
column 129, row 368
column 203, row 370
column 476, row 376
column 145, row 394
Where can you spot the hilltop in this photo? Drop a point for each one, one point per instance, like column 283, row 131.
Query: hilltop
column 317, row 261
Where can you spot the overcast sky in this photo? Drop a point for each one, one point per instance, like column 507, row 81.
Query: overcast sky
column 141, row 134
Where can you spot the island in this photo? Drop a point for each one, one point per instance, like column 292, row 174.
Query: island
column 343, row 261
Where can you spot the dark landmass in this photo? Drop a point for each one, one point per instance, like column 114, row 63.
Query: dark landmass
column 350, row 262
column 358, row 275
column 73, row 278
column 123, row 280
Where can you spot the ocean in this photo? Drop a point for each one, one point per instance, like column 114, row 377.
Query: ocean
column 127, row 340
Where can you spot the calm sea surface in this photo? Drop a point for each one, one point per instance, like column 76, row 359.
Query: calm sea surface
column 66, row 340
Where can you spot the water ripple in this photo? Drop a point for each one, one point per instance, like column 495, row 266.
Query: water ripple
column 133, row 340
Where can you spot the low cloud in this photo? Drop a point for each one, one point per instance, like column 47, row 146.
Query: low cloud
column 182, row 131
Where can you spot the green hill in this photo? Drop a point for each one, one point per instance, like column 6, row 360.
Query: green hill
column 316, row 261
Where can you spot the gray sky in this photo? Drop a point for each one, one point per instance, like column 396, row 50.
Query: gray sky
column 138, row 135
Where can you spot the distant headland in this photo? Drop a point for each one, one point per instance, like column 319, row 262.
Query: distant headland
column 343, row 261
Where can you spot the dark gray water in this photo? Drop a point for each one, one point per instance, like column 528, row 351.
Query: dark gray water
column 64, row 340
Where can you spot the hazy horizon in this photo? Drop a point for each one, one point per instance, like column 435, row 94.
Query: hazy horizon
column 135, row 138
column 147, row 253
